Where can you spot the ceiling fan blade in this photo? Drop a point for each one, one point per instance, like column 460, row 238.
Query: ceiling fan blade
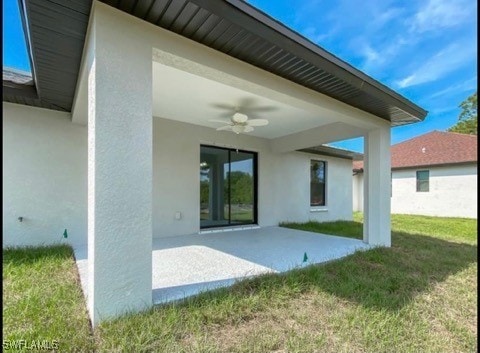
column 245, row 105
column 226, row 127
column 248, row 128
column 257, row 122
column 261, row 109
column 223, row 106
column 250, row 105
column 226, row 114
column 218, row 121
column 246, row 102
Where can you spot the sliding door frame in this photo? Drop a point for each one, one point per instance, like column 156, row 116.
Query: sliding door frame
column 255, row 187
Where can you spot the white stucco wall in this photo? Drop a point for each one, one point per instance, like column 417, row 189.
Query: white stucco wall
column 283, row 179
column 45, row 178
column 357, row 192
column 453, row 192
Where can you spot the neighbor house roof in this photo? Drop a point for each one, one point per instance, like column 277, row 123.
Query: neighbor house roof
column 16, row 82
column 431, row 149
column 55, row 33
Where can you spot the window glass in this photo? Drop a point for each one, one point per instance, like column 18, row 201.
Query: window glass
column 317, row 183
column 423, row 180
column 227, row 187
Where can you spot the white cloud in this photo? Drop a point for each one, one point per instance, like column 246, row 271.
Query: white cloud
column 447, row 60
column 316, row 36
column 439, row 14
column 461, row 87
column 371, row 56
column 375, row 60
column 384, row 17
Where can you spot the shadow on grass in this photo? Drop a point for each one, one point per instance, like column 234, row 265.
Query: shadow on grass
column 381, row 278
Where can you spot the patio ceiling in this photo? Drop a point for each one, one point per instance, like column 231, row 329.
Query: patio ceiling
column 208, row 99
column 56, row 34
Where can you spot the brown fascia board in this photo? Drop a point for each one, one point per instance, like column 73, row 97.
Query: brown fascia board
column 452, row 164
column 360, row 170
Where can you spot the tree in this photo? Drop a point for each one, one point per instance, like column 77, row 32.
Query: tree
column 241, row 188
column 467, row 120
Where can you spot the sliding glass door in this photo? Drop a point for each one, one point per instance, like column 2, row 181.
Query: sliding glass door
column 228, row 183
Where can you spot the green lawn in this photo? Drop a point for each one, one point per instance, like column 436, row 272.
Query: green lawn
column 42, row 299
column 420, row 295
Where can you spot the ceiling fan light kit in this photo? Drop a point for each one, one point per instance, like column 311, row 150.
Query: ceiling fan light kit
column 239, row 117
column 239, row 123
column 238, row 129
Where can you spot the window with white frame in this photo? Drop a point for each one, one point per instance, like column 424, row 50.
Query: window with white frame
column 423, row 180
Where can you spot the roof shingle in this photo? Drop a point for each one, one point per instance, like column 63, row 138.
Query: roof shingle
column 433, row 148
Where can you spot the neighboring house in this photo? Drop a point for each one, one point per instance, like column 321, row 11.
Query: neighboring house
column 433, row 174
column 114, row 141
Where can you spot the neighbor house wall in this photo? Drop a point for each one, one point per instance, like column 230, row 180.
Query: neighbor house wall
column 44, row 177
column 357, row 192
column 453, row 192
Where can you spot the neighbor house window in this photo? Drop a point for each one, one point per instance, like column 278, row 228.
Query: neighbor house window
column 317, row 183
column 423, row 181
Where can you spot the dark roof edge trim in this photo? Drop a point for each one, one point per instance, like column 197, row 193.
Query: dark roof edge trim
column 14, row 89
column 451, row 164
column 307, row 44
column 23, row 16
column 83, row 61
column 324, row 153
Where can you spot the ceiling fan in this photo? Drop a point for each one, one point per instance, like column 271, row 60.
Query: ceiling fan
column 247, row 105
column 239, row 123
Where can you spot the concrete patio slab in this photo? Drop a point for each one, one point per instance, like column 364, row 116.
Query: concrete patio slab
column 190, row 264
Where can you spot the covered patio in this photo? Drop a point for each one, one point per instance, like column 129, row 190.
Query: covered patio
column 168, row 117
column 147, row 99
column 186, row 265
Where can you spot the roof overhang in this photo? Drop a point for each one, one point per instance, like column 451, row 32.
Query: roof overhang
column 18, row 83
column 437, row 165
column 426, row 166
column 332, row 152
column 57, row 35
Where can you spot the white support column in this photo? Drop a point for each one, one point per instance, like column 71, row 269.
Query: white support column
column 119, row 171
column 376, row 226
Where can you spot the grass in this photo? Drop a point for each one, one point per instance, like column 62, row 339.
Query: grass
column 42, row 299
column 420, row 295
column 450, row 229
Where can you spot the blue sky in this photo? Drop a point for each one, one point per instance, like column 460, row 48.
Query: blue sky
column 14, row 50
column 425, row 50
